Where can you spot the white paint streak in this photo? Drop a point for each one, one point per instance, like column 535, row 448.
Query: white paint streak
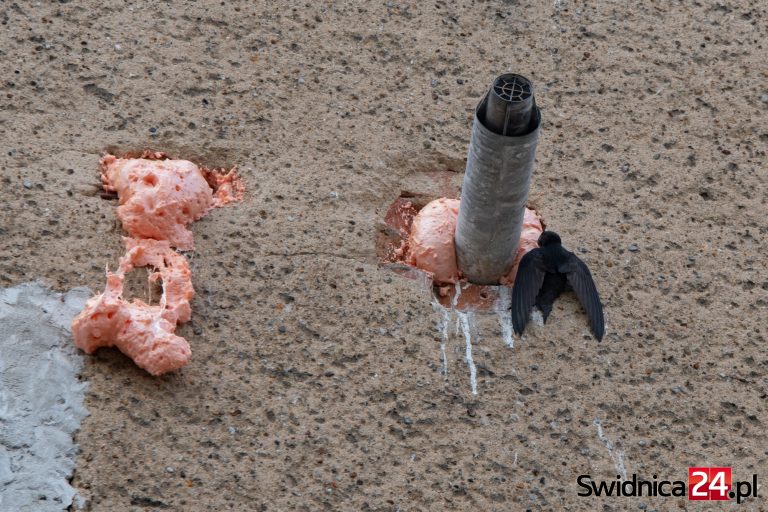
column 454, row 302
column 464, row 324
column 456, row 296
column 445, row 320
column 617, row 456
column 465, row 319
column 504, row 314
column 41, row 398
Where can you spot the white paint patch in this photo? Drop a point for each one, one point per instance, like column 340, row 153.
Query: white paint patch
column 617, row 456
column 504, row 314
column 41, row 398
column 537, row 317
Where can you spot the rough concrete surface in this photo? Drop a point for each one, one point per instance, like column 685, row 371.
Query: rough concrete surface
column 316, row 381
column 41, row 397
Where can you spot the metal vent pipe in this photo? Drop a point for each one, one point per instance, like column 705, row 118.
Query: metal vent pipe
column 502, row 149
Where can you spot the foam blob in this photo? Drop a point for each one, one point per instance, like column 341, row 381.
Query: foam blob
column 143, row 332
column 160, row 197
column 431, row 245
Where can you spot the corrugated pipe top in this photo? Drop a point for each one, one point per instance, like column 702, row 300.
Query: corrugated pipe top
column 509, row 108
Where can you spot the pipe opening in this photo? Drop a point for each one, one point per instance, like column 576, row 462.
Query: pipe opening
column 509, row 105
column 513, row 88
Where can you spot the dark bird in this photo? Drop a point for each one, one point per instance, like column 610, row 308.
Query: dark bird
column 543, row 275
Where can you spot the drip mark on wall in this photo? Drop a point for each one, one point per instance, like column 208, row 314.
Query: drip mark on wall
column 465, row 319
column 504, row 314
column 617, row 456
column 537, row 317
column 445, row 320
column 466, row 325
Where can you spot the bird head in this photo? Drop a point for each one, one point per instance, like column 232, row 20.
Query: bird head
column 549, row 238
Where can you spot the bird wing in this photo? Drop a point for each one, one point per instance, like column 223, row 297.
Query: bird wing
column 581, row 281
column 530, row 276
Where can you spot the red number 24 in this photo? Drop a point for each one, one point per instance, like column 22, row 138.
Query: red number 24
column 709, row 483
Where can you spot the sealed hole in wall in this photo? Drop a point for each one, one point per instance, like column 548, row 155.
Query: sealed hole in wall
column 394, row 250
